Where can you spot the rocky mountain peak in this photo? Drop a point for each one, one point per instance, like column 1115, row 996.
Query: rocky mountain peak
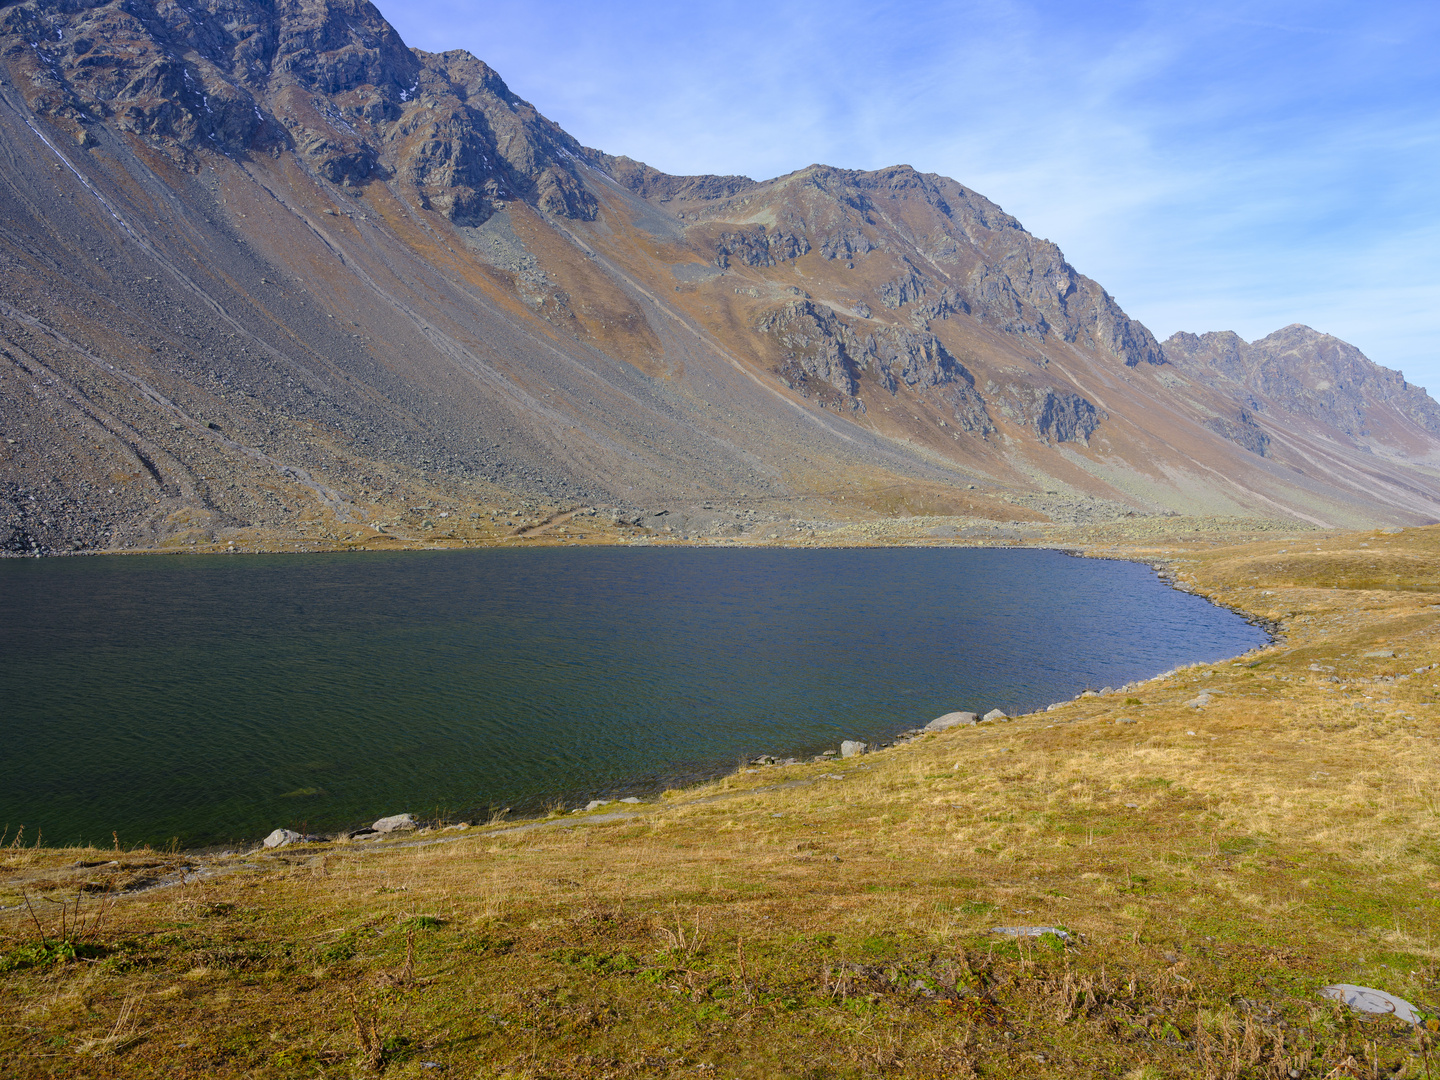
column 1306, row 372
column 256, row 238
column 330, row 79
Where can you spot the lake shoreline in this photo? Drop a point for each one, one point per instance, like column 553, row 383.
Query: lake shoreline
column 1255, row 834
column 409, row 682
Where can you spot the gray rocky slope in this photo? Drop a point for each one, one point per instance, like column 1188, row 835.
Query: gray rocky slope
column 262, row 259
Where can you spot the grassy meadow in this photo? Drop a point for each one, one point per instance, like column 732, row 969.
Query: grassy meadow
column 1215, row 845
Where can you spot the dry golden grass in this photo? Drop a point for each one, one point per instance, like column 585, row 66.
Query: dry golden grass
column 1216, row 865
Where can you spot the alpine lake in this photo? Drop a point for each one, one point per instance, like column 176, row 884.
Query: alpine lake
column 205, row 700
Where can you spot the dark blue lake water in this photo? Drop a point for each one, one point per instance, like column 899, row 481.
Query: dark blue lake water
column 215, row 698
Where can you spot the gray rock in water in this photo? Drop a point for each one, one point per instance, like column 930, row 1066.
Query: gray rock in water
column 850, row 748
column 281, row 837
column 995, row 714
column 1369, row 1000
column 395, row 823
column 950, row 719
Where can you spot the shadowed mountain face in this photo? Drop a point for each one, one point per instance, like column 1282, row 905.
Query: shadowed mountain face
column 262, row 262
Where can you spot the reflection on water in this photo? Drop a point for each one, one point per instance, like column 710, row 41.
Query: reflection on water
column 215, row 698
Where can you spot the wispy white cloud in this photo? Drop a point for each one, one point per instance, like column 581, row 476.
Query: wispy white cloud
column 1234, row 165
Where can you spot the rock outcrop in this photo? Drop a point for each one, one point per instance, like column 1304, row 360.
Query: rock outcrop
column 819, row 344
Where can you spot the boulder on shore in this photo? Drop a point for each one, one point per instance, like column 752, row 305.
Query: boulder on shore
column 396, row 823
column 995, row 714
column 850, row 748
column 281, row 837
column 951, row 719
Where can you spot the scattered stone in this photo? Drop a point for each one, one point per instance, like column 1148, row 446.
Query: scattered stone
column 280, row 837
column 457, row 825
column 1378, row 654
column 828, row 753
column 1031, row 931
column 1107, row 690
column 395, row 823
column 851, row 748
column 632, row 800
column 950, row 719
column 1124, row 720
column 1199, row 702
column 1366, row 999
column 995, row 714
column 1088, row 693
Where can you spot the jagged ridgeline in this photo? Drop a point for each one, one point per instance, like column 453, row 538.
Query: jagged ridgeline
column 264, row 261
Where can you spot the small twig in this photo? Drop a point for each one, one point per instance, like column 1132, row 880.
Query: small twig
column 407, row 973
column 33, row 917
column 106, row 903
column 744, row 973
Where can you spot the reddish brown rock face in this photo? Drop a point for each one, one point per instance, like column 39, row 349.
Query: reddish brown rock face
column 268, row 268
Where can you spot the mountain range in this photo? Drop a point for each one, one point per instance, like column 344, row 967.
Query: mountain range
column 268, row 270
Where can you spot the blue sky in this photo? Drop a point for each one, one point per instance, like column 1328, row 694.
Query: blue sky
column 1213, row 165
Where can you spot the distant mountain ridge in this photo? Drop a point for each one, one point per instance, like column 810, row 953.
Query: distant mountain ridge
column 262, row 257
column 1305, row 372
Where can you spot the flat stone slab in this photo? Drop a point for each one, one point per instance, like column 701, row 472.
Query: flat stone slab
column 1369, row 1000
column 1031, row 931
column 851, row 748
column 951, row 719
column 396, row 823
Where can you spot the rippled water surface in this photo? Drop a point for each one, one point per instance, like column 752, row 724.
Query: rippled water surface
column 215, row 698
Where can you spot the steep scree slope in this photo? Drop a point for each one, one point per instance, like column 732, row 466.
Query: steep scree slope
column 266, row 267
